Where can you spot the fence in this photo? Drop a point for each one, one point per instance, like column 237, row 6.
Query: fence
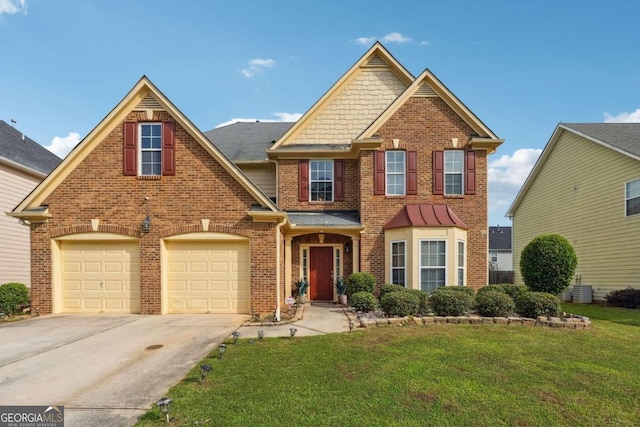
column 501, row 277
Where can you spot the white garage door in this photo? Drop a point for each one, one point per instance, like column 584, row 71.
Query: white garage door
column 208, row 277
column 100, row 277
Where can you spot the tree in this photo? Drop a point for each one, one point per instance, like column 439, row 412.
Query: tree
column 548, row 264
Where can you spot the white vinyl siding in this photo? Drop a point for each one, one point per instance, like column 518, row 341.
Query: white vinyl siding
column 574, row 194
column 453, row 172
column 15, row 253
column 632, row 197
column 433, row 264
column 398, row 263
column 263, row 176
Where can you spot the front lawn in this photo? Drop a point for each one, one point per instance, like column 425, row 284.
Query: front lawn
column 440, row 375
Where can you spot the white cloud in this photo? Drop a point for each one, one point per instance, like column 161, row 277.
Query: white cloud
column 281, row 117
column 60, row 146
column 257, row 66
column 623, row 117
column 13, row 6
column 390, row 38
column 506, row 176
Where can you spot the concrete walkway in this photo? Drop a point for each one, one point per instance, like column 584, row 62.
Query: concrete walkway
column 317, row 319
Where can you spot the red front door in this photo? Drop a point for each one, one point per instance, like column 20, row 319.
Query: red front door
column 321, row 273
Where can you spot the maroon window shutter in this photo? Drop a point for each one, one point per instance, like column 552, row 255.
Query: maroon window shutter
column 338, row 180
column 168, row 148
column 470, row 172
column 379, row 168
column 438, row 172
column 412, row 172
column 303, row 180
column 130, row 149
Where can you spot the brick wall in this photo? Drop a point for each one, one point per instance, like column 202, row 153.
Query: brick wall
column 424, row 125
column 200, row 189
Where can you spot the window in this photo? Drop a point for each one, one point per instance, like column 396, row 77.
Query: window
column 305, row 264
column 494, row 256
column 150, row 149
column 398, row 263
column 338, row 266
column 460, row 263
column 632, row 197
column 453, row 171
column 395, row 173
column 321, row 180
column 433, row 261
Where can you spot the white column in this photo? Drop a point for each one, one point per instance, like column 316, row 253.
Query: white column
column 355, row 243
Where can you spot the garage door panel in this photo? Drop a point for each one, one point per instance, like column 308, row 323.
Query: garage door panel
column 215, row 275
column 100, row 277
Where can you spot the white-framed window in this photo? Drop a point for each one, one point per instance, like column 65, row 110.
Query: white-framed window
column 338, row 266
column 632, row 197
column 396, row 170
column 305, row 264
column 321, row 180
column 494, row 256
column 461, row 255
column 453, row 172
column 398, row 262
column 150, row 158
column 433, row 264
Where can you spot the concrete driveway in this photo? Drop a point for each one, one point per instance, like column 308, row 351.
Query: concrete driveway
column 106, row 370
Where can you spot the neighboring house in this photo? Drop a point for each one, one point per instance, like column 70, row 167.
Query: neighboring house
column 23, row 164
column 586, row 187
column 500, row 251
column 385, row 173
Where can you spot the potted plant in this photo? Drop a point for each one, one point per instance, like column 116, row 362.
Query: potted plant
column 302, row 286
column 341, row 290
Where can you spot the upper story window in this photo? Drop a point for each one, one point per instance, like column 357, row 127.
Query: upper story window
column 395, row 167
column 321, row 180
column 150, row 148
column 632, row 197
column 453, row 171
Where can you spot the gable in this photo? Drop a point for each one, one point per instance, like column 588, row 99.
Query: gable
column 143, row 103
column 352, row 103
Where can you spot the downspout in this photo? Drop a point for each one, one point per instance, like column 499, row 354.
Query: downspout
column 278, row 239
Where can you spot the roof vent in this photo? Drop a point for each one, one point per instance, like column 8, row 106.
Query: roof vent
column 23, row 137
column 425, row 90
column 376, row 61
column 149, row 103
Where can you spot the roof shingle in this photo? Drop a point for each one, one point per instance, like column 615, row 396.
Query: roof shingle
column 624, row 136
column 18, row 148
column 247, row 141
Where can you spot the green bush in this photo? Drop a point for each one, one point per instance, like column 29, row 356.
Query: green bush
column 359, row 282
column 400, row 303
column 628, row 298
column 363, row 301
column 389, row 287
column 548, row 263
column 464, row 289
column 494, row 304
column 448, row 302
column 534, row 304
column 423, row 299
column 508, row 288
column 12, row 296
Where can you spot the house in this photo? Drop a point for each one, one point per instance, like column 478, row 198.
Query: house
column 586, row 187
column 385, row 173
column 500, row 249
column 23, row 164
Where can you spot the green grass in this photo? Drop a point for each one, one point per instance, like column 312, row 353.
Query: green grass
column 441, row 375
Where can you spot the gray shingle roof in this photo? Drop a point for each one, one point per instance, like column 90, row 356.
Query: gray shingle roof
column 25, row 152
column 325, row 218
column 499, row 238
column 624, row 136
column 247, row 141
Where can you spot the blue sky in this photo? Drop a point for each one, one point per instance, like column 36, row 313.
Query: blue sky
column 521, row 66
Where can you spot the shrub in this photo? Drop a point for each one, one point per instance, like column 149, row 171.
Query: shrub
column 548, row 263
column 447, row 302
column 13, row 295
column 402, row 303
column 491, row 288
column 359, row 282
column 363, row 301
column 494, row 304
column 508, row 288
column 423, row 299
column 628, row 298
column 534, row 304
column 464, row 289
column 389, row 287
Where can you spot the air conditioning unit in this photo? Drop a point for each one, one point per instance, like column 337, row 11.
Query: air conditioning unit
column 565, row 296
column 582, row 294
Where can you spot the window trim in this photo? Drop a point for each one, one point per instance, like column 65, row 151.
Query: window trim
column 626, row 198
column 404, row 267
column 403, row 173
column 461, row 173
column 421, row 267
column 311, row 181
column 142, row 150
column 461, row 268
